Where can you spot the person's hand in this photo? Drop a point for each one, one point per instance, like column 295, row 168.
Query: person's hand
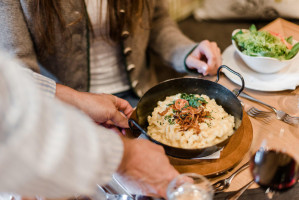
column 106, row 108
column 102, row 108
column 145, row 169
column 205, row 58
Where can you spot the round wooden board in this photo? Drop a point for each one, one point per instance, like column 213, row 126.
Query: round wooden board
column 238, row 145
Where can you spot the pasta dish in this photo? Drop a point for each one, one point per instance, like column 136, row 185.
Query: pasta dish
column 190, row 121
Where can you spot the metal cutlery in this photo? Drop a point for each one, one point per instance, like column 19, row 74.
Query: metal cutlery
column 254, row 112
column 265, row 116
column 109, row 196
column 235, row 195
column 281, row 115
column 223, row 184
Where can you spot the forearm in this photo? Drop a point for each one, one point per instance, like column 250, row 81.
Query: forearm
column 67, row 95
column 79, row 100
column 167, row 40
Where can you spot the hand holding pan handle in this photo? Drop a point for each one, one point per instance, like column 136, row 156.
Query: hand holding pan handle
column 133, row 124
column 234, row 72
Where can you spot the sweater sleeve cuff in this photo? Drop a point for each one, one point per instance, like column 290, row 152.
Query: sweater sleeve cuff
column 45, row 84
column 180, row 56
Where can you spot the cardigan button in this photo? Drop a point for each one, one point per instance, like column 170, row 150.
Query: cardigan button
column 125, row 34
column 135, row 83
column 130, row 67
column 122, row 11
column 139, row 93
column 127, row 51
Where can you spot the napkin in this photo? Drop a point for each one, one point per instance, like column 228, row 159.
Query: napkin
column 215, row 155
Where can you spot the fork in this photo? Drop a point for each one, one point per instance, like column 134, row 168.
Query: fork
column 281, row 115
column 235, row 195
column 223, row 184
column 263, row 115
column 254, row 112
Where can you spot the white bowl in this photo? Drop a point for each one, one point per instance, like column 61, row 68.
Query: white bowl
column 261, row 64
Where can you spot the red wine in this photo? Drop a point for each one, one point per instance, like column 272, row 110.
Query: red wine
column 274, row 169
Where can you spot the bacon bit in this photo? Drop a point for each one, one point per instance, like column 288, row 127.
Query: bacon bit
column 165, row 111
column 188, row 117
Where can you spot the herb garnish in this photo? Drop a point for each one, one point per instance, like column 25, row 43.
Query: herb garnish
column 193, row 101
column 170, row 119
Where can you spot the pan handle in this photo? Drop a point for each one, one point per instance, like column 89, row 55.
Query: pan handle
column 133, row 123
column 234, row 72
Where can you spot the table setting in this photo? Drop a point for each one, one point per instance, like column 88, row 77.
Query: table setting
column 270, row 109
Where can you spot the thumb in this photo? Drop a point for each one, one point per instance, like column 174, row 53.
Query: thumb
column 119, row 119
column 194, row 63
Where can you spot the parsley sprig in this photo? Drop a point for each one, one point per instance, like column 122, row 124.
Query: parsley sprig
column 193, row 101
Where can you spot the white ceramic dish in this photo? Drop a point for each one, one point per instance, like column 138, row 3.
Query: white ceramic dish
column 286, row 79
column 261, row 64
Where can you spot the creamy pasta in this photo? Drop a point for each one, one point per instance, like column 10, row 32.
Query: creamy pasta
column 190, row 121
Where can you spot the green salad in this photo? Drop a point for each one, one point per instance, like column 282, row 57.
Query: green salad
column 266, row 44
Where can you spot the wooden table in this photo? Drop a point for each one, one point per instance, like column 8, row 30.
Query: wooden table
column 260, row 128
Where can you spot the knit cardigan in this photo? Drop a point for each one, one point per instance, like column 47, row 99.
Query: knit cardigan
column 70, row 60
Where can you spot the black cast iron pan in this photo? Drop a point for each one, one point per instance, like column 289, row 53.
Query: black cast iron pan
column 224, row 97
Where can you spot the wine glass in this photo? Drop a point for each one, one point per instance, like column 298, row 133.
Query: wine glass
column 289, row 103
column 273, row 165
column 190, row 186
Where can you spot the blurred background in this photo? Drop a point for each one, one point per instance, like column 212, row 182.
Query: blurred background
column 215, row 20
column 180, row 9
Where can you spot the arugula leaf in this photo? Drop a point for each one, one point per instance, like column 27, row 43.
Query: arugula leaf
column 293, row 51
column 252, row 28
column 262, row 43
column 290, row 40
column 234, row 37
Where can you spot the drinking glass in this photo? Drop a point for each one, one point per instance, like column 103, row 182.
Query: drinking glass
column 273, row 165
column 190, row 186
column 289, row 103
